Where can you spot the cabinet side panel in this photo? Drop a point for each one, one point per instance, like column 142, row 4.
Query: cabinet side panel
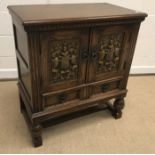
column 131, row 48
column 24, row 77
column 21, row 45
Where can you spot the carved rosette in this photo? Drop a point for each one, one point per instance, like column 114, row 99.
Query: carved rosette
column 109, row 52
column 63, row 60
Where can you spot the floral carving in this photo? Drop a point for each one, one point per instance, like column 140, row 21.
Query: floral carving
column 109, row 52
column 63, row 60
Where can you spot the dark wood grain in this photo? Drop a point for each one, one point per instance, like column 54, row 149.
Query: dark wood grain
column 72, row 57
column 35, row 14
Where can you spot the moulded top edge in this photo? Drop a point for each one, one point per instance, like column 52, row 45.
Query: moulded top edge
column 57, row 13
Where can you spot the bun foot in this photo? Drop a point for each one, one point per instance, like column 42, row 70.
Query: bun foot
column 116, row 108
column 117, row 115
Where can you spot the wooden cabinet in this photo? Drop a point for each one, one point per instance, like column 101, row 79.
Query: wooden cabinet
column 69, row 61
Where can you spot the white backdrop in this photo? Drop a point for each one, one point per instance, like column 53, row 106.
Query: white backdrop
column 144, row 59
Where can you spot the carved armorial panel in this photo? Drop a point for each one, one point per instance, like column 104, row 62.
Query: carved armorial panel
column 63, row 60
column 109, row 52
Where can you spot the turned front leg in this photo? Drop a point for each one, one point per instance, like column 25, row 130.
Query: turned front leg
column 36, row 135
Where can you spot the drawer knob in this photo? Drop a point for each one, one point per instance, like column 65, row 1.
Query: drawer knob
column 62, row 97
column 104, row 87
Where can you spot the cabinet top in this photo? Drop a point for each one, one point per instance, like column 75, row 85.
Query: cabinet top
column 39, row 14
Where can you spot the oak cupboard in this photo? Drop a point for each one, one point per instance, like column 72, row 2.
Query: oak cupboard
column 71, row 57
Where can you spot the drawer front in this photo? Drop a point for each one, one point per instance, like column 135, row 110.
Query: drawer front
column 104, row 87
column 70, row 99
column 61, row 98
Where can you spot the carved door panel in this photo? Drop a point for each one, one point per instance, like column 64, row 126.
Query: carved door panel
column 109, row 46
column 63, row 59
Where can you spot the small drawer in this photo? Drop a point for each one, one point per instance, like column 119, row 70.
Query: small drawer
column 61, row 98
column 105, row 87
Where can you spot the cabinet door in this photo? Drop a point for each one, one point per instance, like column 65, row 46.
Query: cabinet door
column 63, row 59
column 108, row 49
